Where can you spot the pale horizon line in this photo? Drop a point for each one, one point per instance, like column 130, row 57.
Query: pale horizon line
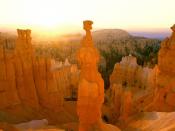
column 8, row 30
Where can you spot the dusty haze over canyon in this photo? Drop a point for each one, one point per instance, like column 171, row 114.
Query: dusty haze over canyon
column 40, row 92
column 87, row 65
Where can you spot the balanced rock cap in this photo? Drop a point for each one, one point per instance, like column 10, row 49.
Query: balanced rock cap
column 87, row 24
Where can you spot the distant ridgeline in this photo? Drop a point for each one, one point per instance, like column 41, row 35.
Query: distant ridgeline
column 110, row 42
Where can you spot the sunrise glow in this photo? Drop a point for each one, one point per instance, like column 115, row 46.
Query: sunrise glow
column 65, row 16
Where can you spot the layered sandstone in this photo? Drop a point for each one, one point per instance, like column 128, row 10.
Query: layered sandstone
column 91, row 86
column 24, row 69
column 67, row 77
column 135, row 88
column 8, row 88
column 129, row 83
column 26, row 79
column 165, row 80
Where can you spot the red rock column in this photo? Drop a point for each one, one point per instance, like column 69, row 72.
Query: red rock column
column 24, row 69
column 8, row 91
column 91, row 85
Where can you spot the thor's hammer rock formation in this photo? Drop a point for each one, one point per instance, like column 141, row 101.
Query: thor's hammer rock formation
column 91, row 86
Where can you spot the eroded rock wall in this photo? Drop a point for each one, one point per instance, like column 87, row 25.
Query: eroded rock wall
column 26, row 79
column 165, row 83
column 8, row 88
column 149, row 89
column 129, row 82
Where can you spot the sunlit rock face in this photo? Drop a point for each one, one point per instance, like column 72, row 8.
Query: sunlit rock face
column 130, row 85
column 49, row 94
column 165, row 83
column 166, row 54
column 147, row 89
column 24, row 69
column 36, row 82
column 91, row 86
column 8, row 88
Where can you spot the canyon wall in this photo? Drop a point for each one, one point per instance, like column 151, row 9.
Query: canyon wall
column 129, row 84
column 26, row 79
column 134, row 88
column 165, row 81
column 8, row 88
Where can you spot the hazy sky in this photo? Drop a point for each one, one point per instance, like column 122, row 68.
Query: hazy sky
column 67, row 15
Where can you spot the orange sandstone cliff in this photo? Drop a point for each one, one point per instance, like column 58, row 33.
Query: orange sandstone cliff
column 148, row 89
column 34, row 82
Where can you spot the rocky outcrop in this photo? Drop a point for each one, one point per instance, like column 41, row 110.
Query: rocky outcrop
column 8, row 88
column 32, row 81
column 129, row 74
column 24, row 57
column 135, row 88
column 67, row 80
column 90, row 86
column 165, row 80
column 49, row 93
column 129, row 83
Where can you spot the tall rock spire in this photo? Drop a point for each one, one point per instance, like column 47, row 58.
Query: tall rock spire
column 91, row 84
